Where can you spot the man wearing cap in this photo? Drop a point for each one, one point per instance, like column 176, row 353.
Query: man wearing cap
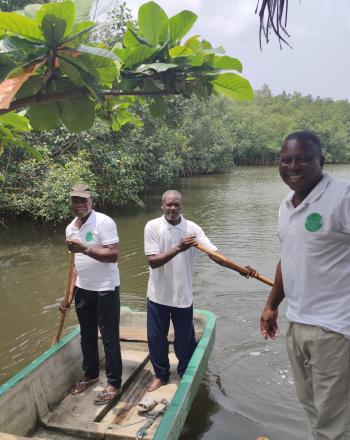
column 93, row 237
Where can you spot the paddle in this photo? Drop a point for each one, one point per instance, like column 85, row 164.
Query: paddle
column 225, row 261
column 66, row 297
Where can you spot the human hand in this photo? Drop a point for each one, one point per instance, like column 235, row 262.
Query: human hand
column 251, row 272
column 268, row 323
column 75, row 245
column 63, row 307
column 186, row 243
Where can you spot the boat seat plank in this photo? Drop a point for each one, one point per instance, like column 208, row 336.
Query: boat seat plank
column 138, row 334
column 72, row 410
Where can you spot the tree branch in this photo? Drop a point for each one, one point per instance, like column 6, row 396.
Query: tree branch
column 73, row 93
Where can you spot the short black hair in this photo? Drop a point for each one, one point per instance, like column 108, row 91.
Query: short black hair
column 308, row 136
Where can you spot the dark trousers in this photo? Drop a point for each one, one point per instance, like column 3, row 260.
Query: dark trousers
column 158, row 322
column 100, row 310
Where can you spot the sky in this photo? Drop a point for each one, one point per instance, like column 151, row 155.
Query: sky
column 317, row 65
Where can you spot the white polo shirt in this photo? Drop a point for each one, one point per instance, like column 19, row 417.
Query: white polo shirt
column 171, row 284
column 98, row 230
column 315, row 241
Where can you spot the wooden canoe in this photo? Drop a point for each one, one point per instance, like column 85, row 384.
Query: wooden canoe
column 36, row 403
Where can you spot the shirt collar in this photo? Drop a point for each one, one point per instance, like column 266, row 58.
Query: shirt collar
column 314, row 195
column 89, row 221
column 181, row 225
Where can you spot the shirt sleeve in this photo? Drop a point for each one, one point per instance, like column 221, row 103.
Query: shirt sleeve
column 152, row 245
column 70, row 231
column 108, row 232
column 204, row 240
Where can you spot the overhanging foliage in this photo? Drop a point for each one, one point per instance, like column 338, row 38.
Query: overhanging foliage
column 50, row 67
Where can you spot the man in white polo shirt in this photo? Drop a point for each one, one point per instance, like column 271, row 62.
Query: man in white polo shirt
column 169, row 242
column 93, row 237
column 314, row 275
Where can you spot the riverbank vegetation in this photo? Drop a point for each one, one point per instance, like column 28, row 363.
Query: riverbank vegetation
column 192, row 137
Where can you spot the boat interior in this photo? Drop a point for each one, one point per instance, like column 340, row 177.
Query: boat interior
column 38, row 403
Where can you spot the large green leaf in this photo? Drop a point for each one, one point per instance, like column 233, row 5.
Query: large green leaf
column 180, row 24
column 123, row 117
column 152, row 21
column 5, row 134
column 141, row 39
column 193, row 42
column 53, row 28
column 139, row 55
column 195, row 60
column 77, row 114
column 30, row 87
column 80, row 33
column 233, row 85
column 157, row 67
column 103, row 69
column 91, row 50
column 82, row 9
column 61, row 84
column 227, row 63
column 80, row 75
column 16, row 121
column 122, row 53
column 180, row 51
column 216, row 50
column 44, row 116
column 13, row 43
column 70, row 70
column 21, row 25
column 64, row 10
column 17, row 53
column 130, row 39
column 7, row 65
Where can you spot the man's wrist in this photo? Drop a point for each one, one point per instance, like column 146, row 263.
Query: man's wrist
column 87, row 252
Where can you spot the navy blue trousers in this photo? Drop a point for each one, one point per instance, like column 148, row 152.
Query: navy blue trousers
column 158, row 322
column 100, row 310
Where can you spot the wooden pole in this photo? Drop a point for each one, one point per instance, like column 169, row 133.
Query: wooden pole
column 66, row 297
column 228, row 263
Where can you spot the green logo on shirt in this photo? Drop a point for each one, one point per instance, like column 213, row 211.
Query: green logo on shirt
column 89, row 236
column 314, row 222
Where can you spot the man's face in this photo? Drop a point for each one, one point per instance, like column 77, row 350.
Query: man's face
column 80, row 206
column 300, row 165
column 171, row 207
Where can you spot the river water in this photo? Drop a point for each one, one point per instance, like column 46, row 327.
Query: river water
column 248, row 389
